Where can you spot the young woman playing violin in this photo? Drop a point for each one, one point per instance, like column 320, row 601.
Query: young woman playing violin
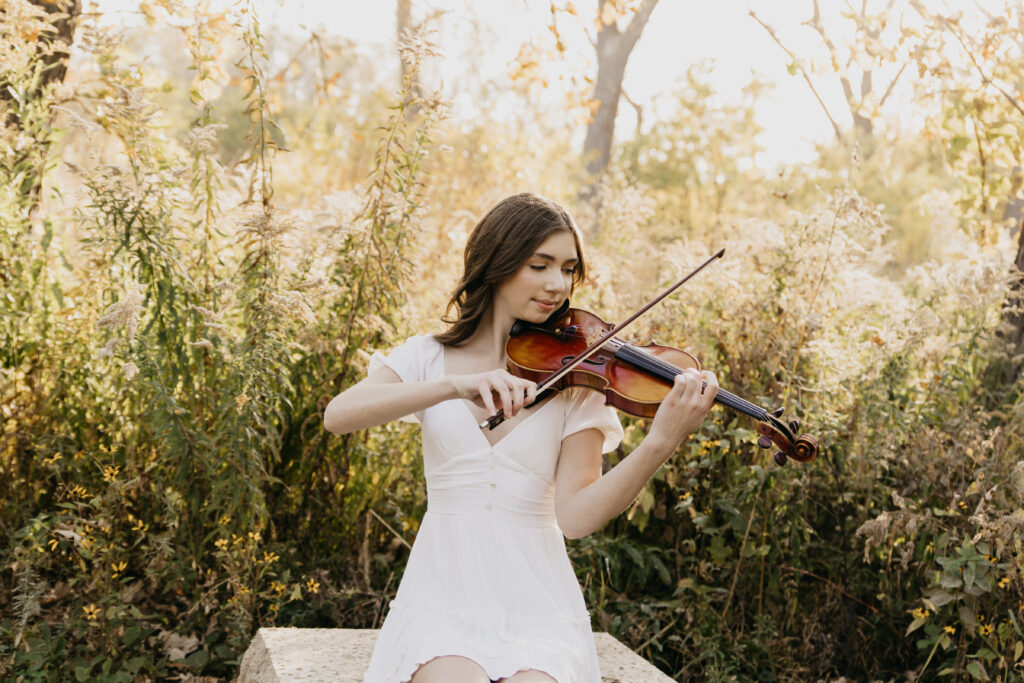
column 488, row 593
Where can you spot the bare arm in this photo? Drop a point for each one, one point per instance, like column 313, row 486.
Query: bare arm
column 585, row 500
column 383, row 397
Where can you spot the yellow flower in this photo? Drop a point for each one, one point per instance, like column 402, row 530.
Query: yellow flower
column 920, row 613
column 254, row 536
column 278, row 587
column 119, row 568
column 985, row 629
column 949, row 629
column 92, row 612
column 221, row 543
column 271, row 558
column 110, row 472
column 1004, row 582
column 225, row 520
column 53, row 543
column 139, row 525
column 313, row 585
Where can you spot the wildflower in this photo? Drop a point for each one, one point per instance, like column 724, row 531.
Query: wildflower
column 949, row 629
column 51, row 460
column 125, row 313
column 221, row 543
column 110, row 472
column 139, row 525
column 254, row 536
column 53, row 543
column 130, row 370
column 1004, row 582
column 118, row 568
column 271, row 558
column 920, row 613
column 313, row 586
column 203, row 138
column 278, row 587
column 225, row 520
column 92, row 612
column 985, row 629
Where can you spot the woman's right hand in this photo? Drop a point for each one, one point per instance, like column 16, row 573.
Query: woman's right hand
column 495, row 389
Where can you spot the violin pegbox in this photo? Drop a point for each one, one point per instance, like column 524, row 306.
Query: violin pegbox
column 772, row 430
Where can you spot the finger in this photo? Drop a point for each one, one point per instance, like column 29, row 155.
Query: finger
column 531, row 393
column 678, row 387
column 693, row 384
column 711, row 386
column 485, row 396
column 517, row 391
column 506, row 399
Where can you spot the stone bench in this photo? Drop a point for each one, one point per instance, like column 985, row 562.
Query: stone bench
column 340, row 655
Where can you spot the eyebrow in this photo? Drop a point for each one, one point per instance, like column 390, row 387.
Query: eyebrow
column 549, row 257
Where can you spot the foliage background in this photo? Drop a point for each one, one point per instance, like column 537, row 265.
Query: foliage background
column 194, row 261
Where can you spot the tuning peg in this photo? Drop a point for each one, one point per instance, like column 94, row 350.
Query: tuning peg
column 764, row 441
column 794, row 425
column 780, row 458
column 777, row 412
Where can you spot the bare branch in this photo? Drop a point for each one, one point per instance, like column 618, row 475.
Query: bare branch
column 892, row 84
column 803, row 72
column 639, row 20
column 985, row 79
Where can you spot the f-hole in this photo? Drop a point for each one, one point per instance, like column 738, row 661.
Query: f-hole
column 566, row 359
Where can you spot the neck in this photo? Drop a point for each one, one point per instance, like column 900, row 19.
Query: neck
column 490, row 337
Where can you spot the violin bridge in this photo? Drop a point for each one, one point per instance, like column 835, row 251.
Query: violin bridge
column 594, row 335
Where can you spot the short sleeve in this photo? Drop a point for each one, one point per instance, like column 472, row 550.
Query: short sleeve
column 585, row 409
column 407, row 360
column 411, row 361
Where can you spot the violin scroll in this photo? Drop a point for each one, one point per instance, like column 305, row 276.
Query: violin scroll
column 772, row 430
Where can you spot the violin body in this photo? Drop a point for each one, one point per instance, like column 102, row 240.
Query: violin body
column 535, row 353
column 633, row 378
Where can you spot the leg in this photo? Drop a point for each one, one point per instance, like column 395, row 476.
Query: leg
column 450, row 669
column 528, row 676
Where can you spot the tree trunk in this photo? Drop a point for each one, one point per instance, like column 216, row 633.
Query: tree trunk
column 613, row 50
column 54, row 61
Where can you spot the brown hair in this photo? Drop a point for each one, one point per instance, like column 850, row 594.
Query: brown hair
column 498, row 247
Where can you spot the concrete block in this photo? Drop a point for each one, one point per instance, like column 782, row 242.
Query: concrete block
column 340, row 655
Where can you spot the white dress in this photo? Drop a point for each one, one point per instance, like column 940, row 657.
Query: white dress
column 488, row 577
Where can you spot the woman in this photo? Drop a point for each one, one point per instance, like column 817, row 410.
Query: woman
column 489, row 593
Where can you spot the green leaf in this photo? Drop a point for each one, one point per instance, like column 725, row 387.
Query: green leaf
column 198, row 659
column 914, row 625
column 977, row 671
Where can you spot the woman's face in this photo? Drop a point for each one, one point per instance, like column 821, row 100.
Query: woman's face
column 542, row 283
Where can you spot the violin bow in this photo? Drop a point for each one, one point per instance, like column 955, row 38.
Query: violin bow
column 499, row 417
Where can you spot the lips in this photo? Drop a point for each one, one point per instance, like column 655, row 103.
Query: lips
column 546, row 305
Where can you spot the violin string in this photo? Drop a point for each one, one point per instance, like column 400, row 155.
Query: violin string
column 642, row 357
column 723, row 396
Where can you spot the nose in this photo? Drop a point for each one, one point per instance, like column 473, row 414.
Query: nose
column 558, row 281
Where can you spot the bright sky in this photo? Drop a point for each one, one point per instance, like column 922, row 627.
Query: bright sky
column 678, row 35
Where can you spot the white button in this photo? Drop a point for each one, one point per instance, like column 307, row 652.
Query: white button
column 488, row 506
column 494, row 486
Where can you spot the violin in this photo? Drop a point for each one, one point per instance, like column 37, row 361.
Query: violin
column 574, row 347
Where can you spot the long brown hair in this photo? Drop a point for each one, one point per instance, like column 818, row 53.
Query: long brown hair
column 497, row 248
